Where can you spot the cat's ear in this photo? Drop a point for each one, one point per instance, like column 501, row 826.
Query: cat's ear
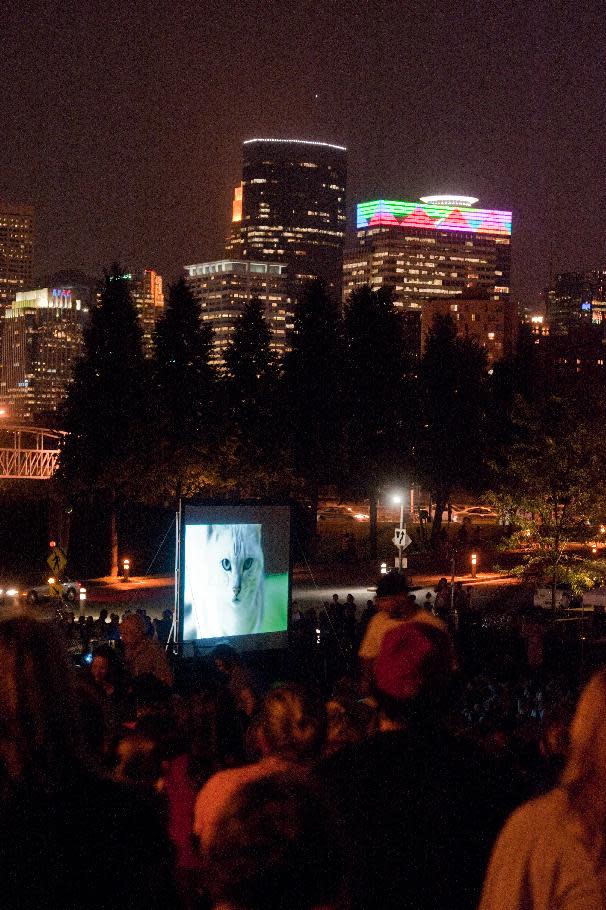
column 210, row 530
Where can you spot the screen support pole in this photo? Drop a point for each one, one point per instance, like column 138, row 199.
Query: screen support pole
column 174, row 631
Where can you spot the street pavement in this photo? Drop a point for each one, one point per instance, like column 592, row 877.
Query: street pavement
column 156, row 593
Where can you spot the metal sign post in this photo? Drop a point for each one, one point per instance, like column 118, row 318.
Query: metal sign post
column 401, row 541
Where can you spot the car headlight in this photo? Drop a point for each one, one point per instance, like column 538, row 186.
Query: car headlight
column 11, row 592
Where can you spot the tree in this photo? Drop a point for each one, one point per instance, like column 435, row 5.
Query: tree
column 313, row 375
column 187, row 419
column 104, row 413
column 551, row 488
column 450, row 449
column 255, row 458
column 375, row 395
column 248, row 358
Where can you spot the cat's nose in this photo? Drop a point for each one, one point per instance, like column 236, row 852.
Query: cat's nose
column 236, row 589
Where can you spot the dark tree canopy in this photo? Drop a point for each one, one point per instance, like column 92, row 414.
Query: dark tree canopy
column 452, row 389
column 105, row 406
column 374, row 389
column 185, row 380
column 313, row 387
column 248, row 358
column 187, row 414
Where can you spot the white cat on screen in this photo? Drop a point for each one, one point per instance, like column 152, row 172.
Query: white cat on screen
column 224, row 578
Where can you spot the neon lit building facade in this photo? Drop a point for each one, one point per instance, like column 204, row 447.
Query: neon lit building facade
column 423, row 250
column 291, row 208
column 224, row 287
column 16, row 251
column 42, row 337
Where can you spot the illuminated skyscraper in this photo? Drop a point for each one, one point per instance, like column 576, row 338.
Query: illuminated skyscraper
column 224, row 287
column 16, row 251
column 146, row 288
column 438, row 247
column 292, row 209
column 42, row 337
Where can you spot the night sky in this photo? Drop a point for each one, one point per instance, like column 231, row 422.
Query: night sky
column 122, row 122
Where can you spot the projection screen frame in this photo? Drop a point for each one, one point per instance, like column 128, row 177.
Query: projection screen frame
column 252, row 642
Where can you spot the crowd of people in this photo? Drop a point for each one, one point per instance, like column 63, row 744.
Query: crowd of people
column 399, row 779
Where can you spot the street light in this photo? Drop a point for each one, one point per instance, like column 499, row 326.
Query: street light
column 126, row 569
column 399, row 499
column 474, row 564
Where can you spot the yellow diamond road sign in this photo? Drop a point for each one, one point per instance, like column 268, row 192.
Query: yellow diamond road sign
column 57, row 560
column 55, row 590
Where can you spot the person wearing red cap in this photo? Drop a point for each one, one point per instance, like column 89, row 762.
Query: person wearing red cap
column 420, row 808
column 395, row 605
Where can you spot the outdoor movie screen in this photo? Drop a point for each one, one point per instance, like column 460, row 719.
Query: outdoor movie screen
column 235, row 575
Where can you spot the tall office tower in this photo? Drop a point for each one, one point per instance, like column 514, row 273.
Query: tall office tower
column 292, row 209
column 146, row 288
column 16, row 251
column 42, row 337
column 224, row 287
column 492, row 324
column 438, row 247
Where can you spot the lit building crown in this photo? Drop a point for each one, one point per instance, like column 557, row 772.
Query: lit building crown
column 328, row 145
column 450, row 199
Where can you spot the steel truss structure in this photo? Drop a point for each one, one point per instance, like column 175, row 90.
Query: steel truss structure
column 28, row 453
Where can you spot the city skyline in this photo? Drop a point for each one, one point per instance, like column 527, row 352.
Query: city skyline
column 131, row 148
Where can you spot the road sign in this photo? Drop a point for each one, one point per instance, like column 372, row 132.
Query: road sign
column 401, row 538
column 57, row 560
column 55, row 590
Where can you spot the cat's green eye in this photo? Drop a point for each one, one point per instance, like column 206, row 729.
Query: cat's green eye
column 226, row 564
column 247, row 563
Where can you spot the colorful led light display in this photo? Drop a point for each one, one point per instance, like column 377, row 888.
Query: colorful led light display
column 432, row 217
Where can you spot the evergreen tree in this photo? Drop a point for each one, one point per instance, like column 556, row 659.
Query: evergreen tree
column 104, row 413
column 185, row 379
column 450, row 450
column 248, row 358
column 186, row 418
column 250, row 368
column 313, row 376
column 375, row 396
column 254, row 445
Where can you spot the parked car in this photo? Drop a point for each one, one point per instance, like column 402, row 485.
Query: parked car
column 335, row 513
column 341, row 513
column 71, row 591
column 477, row 515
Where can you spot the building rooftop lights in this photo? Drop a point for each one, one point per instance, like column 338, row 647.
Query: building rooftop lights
column 328, row 145
column 449, row 199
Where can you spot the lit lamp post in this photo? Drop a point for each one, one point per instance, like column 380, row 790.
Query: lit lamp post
column 401, row 540
column 126, row 569
column 474, row 564
column 400, row 499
